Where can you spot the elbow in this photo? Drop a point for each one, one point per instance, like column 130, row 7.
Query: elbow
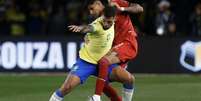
column 137, row 9
column 140, row 9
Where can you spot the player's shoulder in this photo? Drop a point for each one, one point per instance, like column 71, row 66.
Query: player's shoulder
column 96, row 24
column 98, row 21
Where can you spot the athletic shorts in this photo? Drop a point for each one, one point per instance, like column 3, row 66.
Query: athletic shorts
column 84, row 69
column 125, row 51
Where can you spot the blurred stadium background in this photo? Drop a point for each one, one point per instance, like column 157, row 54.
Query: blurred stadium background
column 36, row 49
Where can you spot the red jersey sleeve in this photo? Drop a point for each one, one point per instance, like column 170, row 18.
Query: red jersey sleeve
column 124, row 30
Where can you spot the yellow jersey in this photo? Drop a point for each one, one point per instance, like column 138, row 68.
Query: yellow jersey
column 97, row 43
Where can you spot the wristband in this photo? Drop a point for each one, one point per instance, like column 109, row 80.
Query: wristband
column 122, row 8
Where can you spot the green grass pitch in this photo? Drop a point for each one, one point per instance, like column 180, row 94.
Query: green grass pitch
column 148, row 88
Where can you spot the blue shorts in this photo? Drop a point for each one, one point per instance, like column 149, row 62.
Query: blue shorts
column 84, row 69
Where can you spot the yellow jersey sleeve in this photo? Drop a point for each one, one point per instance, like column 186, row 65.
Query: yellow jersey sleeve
column 98, row 43
column 97, row 27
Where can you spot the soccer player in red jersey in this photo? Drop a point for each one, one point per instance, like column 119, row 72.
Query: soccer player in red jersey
column 124, row 48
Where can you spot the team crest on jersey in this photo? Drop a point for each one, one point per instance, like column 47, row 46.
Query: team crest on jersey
column 191, row 56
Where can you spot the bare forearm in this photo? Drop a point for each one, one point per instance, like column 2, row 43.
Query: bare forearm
column 133, row 8
column 81, row 29
column 86, row 29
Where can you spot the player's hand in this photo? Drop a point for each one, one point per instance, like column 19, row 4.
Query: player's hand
column 75, row 28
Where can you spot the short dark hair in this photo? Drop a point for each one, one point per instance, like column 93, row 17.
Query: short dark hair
column 90, row 2
column 109, row 11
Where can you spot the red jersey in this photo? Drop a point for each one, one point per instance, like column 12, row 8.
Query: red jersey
column 124, row 30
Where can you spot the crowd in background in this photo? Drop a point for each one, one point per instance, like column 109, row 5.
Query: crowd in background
column 51, row 17
column 173, row 17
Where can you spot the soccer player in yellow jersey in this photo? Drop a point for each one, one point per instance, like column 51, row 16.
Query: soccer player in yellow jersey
column 98, row 42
